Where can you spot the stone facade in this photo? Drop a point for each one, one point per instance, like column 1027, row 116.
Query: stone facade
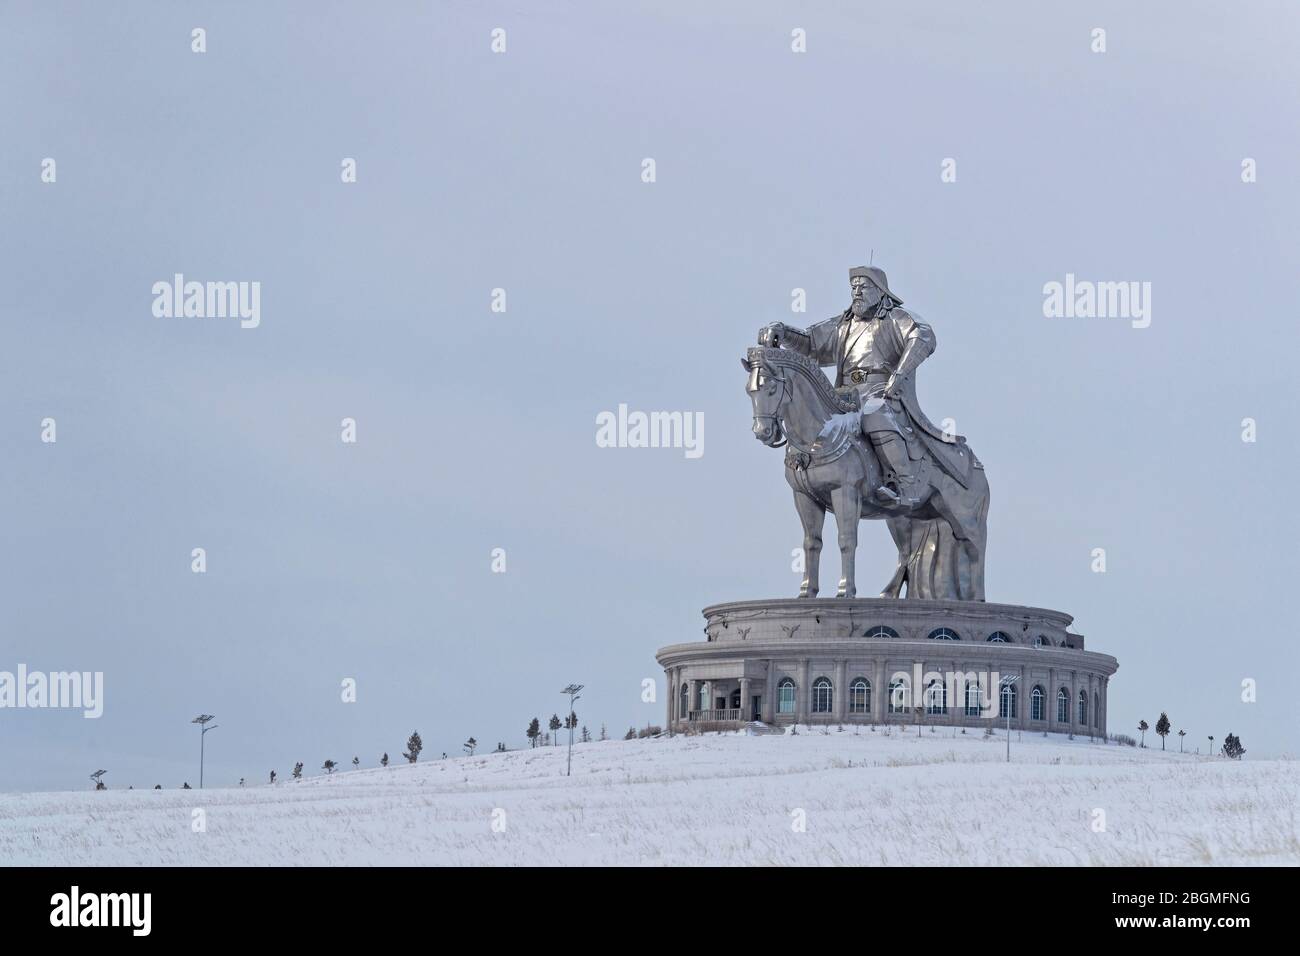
column 835, row 661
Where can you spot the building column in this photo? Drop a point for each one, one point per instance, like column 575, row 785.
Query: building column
column 1022, row 698
column 1074, row 702
column 769, row 692
column 1105, row 705
column 1051, row 699
column 745, row 703
column 879, row 692
column 692, row 697
column 672, row 701
column 841, row 691
column 801, row 694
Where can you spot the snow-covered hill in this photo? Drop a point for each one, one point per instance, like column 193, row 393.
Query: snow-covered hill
column 864, row 797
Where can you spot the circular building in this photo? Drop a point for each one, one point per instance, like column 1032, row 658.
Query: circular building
column 835, row 660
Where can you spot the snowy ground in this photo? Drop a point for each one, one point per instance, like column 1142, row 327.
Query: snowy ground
column 867, row 798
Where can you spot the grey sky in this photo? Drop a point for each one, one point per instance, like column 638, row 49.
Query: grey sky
column 476, row 430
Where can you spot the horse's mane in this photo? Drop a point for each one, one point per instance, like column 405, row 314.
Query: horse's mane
column 788, row 358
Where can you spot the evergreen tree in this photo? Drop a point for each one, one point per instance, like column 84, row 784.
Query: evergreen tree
column 328, row 766
column 554, row 725
column 413, row 747
column 631, row 734
column 533, row 732
column 1232, row 747
column 1163, row 728
column 383, row 761
column 273, row 776
column 297, row 770
column 469, row 745
column 1181, row 735
column 586, row 735
column 356, row 762
column 603, row 735
column 1143, row 726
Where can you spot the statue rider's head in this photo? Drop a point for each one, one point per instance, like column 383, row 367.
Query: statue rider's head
column 869, row 285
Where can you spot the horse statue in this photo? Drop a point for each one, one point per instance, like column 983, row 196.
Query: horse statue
column 941, row 534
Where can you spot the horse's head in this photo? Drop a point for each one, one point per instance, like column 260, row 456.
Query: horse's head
column 766, row 388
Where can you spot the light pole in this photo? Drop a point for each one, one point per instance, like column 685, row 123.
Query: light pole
column 202, row 721
column 1007, row 682
column 572, row 691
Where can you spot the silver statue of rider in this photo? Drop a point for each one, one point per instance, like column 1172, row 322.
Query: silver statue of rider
column 876, row 347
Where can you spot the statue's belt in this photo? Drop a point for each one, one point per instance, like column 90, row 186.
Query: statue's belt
column 860, row 375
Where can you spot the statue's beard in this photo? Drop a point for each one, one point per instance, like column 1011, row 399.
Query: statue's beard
column 862, row 309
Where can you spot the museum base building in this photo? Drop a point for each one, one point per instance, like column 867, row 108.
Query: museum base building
column 883, row 661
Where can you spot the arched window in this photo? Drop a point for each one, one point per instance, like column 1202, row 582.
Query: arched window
column 944, row 634
column 1041, row 641
column 735, row 699
column 936, row 698
column 973, row 698
column 1008, row 701
column 900, row 695
column 999, row 637
column 1036, row 704
column 684, row 701
column 1062, row 706
column 881, row 631
column 821, row 696
column 1083, row 708
column 785, row 696
column 860, row 696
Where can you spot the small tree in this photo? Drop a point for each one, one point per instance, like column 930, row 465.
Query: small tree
column 1232, row 747
column 586, row 735
column 297, row 770
column 383, row 761
column 272, row 776
column 534, row 732
column 554, row 725
column 1181, row 735
column 1211, row 751
column 501, row 747
column 413, row 747
column 1163, row 728
column 469, row 745
column 356, row 762
column 603, row 735
column 1143, row 726
column 241, row 781
column 328, row 766
column 631, row 734
column 186, row 786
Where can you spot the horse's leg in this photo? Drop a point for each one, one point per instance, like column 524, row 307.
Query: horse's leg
column 846, row 502
column 898, row 530
column 813, row 517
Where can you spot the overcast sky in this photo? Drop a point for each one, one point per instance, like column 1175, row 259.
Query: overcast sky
column 476, row 430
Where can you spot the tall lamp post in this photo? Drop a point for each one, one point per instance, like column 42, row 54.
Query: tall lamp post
column 1003, row 683
column 202, row 721
column 572, row 691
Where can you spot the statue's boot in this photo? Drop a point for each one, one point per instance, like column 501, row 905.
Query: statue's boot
column 901, row 486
